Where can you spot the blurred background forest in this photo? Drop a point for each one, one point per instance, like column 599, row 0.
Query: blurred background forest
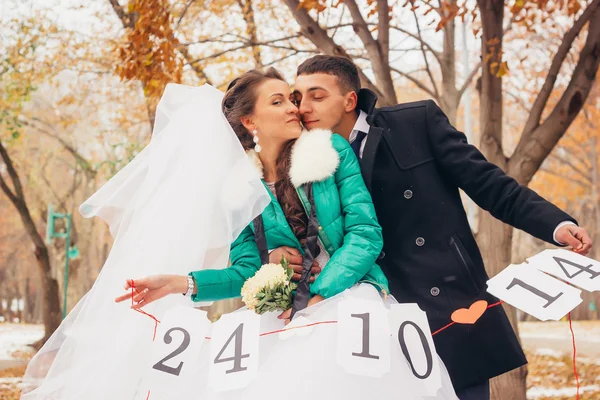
column 79, row 84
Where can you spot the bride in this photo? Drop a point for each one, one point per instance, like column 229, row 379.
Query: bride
column 173, row 212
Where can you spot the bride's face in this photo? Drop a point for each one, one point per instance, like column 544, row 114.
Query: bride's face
column 275, row 117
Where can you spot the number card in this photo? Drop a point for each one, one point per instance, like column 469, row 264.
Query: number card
column 363, row 337
column 176, row 349
column 534, row 292
column 411, row 332
column 234, row 351
column 574, row 268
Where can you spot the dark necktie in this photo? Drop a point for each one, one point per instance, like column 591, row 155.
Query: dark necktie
column 356, row 144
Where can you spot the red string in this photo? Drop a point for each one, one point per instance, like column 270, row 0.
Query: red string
column 148, row 396
column 495, row 304
column 335, row 322
column 156, row 321
column 289, row 329
column 574, row 355
column 441, row 329
column 452, row 323
column 296, row 327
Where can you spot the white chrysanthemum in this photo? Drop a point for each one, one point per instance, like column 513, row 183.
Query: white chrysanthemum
column 268, row 276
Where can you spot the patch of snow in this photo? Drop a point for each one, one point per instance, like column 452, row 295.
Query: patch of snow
column 588, row 360
column 548, row 352
column 541, row 392
column 15, row 337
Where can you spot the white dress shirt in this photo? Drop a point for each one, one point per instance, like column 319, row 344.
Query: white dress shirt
column 362, row 126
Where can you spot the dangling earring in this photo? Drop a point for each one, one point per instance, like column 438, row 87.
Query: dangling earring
column 257, row 147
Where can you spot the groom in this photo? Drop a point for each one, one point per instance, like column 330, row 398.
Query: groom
column 414, row 162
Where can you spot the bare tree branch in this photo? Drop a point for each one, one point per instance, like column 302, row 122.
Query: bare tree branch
column 187, row 6
column 280, row 59
column 241, row 40
column 519, row 100
column 17, row 196
column 582, row 158
column 563, row 50
column 125, row 18
column 567, row 178
column 419, row 84
column 340, row 21
column 244, row 46
column 435, row 53
column 469, row 79
column 11, row 196
column 435, row 89
column 572, row 165
column 196, row 67
column 76, row 155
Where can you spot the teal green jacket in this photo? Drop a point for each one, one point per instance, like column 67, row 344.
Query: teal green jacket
column 348, row 229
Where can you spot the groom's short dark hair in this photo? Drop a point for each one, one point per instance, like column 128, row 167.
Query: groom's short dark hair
column 341, row 67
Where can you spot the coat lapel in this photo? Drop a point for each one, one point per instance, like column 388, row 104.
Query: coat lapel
column 366, row 102
column 368, row 159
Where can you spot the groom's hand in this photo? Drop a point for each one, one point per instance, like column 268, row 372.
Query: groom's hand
column 575, row 237
column 295, row 259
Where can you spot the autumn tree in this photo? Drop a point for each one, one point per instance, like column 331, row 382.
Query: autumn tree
column 18, row 75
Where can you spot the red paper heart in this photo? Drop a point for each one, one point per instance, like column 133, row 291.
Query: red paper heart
column 470, row 315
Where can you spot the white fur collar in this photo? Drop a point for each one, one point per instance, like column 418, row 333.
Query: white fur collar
column 313, row 158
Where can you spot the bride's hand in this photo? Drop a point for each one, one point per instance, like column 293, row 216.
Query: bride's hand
column 285, row 316
column 152, row 288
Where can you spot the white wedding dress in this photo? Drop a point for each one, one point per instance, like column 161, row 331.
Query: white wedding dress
column 176, row 208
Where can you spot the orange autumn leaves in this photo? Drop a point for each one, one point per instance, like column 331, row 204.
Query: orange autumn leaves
column 150, row 51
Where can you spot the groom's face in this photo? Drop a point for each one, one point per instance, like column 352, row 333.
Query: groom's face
column 320, row 101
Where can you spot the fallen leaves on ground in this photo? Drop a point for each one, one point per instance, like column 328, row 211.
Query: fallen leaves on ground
column 9, row 383
column 555, row 373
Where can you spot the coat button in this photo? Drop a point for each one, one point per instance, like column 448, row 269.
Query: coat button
column 408, row 194
column 435, row 291
column 420, row 241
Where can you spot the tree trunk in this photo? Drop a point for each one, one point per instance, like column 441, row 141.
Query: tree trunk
column 49, row 286
column 319, row 37
column 248, row 14
column 538, row 139
column 494, row 237
column 449, row 99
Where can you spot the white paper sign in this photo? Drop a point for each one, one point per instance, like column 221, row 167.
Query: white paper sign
column 534, row 292
column 176, row 349
column 234, row 351
column 363, row 346
column 410, row 331
column 574, row 268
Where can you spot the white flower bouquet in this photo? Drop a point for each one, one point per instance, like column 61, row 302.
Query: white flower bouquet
column 270, row 289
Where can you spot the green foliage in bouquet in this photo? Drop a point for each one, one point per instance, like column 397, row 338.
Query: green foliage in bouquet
column 279, row 297
column 270, row 289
